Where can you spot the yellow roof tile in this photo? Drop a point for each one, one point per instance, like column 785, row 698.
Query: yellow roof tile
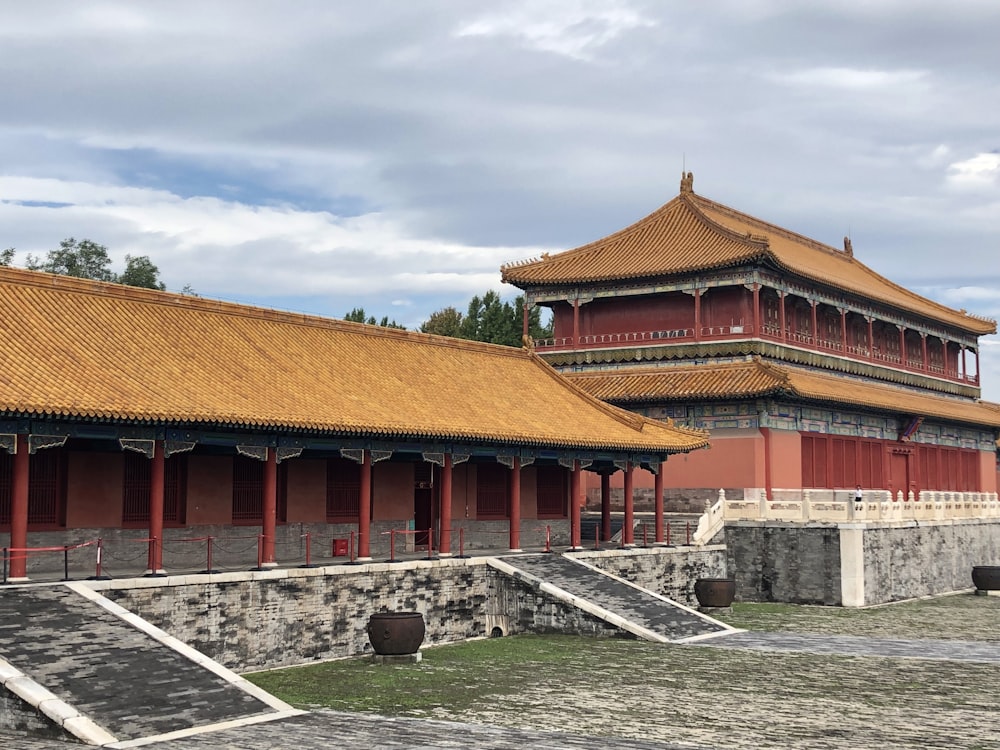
column 76, row 348
column 691, row 233
column 755, row 378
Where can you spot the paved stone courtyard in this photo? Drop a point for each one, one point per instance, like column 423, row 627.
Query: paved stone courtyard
column 754, row 690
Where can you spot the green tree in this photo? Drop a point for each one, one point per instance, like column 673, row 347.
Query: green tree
column 140, row 271
column 87, row 259
column 444, row 322
column 84, row 259
column 358, row 315
column 489, row 319
column 6, row 256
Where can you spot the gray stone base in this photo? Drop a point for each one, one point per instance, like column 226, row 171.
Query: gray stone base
column 397, row 658
column 980, row 592
column 715, row 610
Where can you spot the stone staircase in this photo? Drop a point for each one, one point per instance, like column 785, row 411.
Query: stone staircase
column 643, row 613
column 77, row 665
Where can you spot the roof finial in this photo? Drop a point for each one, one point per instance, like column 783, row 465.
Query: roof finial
column 687, row 182
column 848, row 248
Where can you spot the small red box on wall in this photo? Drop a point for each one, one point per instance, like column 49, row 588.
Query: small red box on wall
column 340, row 548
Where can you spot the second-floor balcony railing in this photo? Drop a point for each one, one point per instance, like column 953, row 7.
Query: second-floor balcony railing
column 805, row 340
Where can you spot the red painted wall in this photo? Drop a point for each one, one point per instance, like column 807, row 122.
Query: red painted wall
column 632, row 314
column 93, row 489
column 210, row 490
column 786, row 461
column 392, row 491
column 306, row 490
column 727, row 306
column 989, row 471
column 529, row 499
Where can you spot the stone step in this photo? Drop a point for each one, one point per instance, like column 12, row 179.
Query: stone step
column 644, row 613
column 125, row 676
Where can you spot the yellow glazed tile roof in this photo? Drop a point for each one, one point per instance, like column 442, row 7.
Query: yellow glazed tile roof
column 82, row 349
column 691, row 233
column 681, row 383
column 755, row 379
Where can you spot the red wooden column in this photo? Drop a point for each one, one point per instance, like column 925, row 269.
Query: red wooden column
column 574, row 506
column 628, row 530
column 154, row 564
column 270, row 525
column 524, row 318
column 815, row 325
column 515, row 506
column 871, row 338
column 658, row 502
column 365, row 508
column 902, row 346
column 781, row 310
column 576, row 322
column 605, row 507
column 979, row 378
column 444, row 543
column 923, row 347
column 756, row 310
column 697, row 314
column 19, row 510
column 965, row 366
column 843, row 331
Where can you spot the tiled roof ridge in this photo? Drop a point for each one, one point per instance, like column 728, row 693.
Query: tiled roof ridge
column 766, row 225
column 627, row 418
column 829, row 249
column 105, row 289
column 597, row 244
column 760, row 242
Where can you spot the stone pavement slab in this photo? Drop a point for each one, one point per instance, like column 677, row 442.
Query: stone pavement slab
column 987, row 652
column 323, row 729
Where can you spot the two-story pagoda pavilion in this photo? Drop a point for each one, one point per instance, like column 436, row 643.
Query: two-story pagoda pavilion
column 810, row 369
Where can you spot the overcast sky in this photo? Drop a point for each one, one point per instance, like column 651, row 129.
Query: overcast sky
column 319, row 156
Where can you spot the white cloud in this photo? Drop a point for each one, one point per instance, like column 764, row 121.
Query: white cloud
column 230, row 248
column 855, row 79
column 979, row 171
column 572, row 28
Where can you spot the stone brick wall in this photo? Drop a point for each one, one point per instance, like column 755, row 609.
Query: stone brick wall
column 802, row 563
column 784, row 563
column 17, row 716
column 277, row 618
column 910, row 560
column 261, row 620
column 517, row 606
column 670, row 572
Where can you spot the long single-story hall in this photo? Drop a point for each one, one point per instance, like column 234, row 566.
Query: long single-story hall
column 138, row 416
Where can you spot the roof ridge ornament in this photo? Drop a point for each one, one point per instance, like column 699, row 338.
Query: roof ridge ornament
column 687, row 182
column 848, row 247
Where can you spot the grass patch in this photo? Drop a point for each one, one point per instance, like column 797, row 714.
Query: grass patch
column 455, row 676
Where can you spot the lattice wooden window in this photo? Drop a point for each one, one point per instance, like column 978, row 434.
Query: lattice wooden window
column 248, row 490
column 491, row 490
column 343, row 490
column 551, row 491
column 136, row 472
column 46, row 488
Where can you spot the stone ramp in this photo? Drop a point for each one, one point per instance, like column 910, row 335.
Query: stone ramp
column 105, row 676
column 644, row 613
